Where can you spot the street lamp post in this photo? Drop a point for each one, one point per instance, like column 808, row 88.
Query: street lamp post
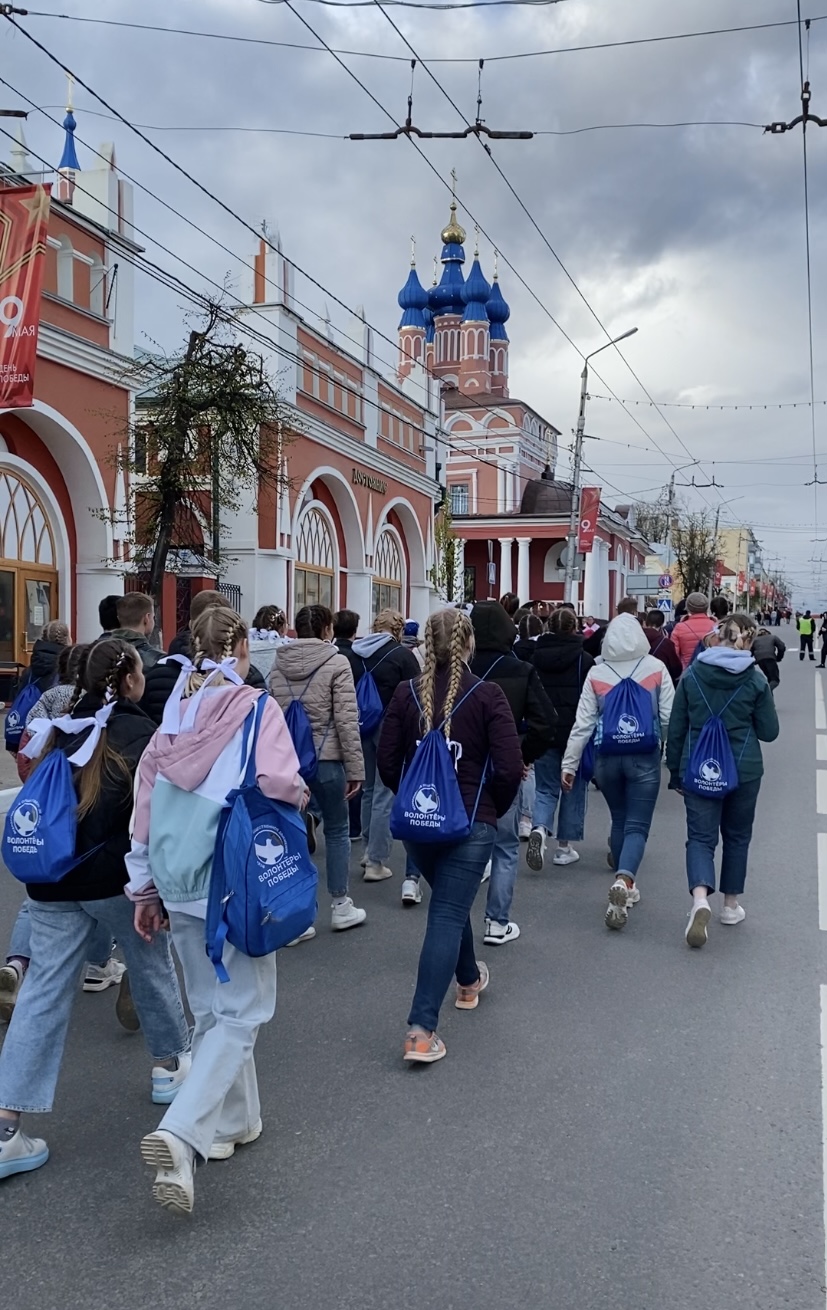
column 568, row 592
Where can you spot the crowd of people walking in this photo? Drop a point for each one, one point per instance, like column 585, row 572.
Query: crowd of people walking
column 492, row 727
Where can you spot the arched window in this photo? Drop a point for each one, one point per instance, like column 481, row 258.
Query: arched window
column 25, row 533
column 388, row 580
column 28, row 573
column 314, row 561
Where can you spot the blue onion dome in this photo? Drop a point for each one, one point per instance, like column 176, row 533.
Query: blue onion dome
column 428, row 316
column 69, row 158
column 413, row 299
column 498, row 312
column 475, row 293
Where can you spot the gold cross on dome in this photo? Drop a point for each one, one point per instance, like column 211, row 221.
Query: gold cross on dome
column 454, row 183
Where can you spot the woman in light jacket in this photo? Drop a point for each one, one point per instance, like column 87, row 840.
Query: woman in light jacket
column 724, row 680
column 630, row 782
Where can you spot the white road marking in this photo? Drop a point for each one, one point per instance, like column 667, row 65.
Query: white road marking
column 821, row 708
column 822, row 881
column 821, row 791
column 823, row 991
column 821, row 747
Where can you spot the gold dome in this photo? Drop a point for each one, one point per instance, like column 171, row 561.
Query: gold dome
column 453, row 233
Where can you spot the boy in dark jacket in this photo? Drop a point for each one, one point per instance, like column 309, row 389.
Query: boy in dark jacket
column 136, row 617
column 661, row 645
column 535, row 718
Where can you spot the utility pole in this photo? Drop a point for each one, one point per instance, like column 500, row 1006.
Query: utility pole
column 574, row 517
column 714, row 556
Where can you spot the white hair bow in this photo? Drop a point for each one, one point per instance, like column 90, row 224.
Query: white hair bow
column 171, row 723
column 41, row 730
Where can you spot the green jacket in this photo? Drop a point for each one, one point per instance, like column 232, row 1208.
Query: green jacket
column 749, row 719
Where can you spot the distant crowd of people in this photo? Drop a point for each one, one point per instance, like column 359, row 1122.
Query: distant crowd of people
column 486, row 730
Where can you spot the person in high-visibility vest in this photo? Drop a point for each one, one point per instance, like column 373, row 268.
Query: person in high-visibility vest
column 806, row 625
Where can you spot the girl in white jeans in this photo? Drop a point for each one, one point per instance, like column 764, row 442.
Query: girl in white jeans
column 191, row 765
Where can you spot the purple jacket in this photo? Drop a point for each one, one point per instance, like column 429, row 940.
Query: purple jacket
column 484, row 726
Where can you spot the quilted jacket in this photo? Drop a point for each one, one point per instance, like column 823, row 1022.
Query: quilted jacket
column 316, row 673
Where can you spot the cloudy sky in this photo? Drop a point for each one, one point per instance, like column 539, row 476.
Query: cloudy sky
column 694, row 234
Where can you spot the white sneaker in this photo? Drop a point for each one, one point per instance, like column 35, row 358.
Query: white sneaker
column 222, row 1150
column 565, row 855
column 346, row 915
column 733, row 914
column 535, row 854
column 497, row 934
column 696, row 934
column 100, row 976
column 486, row 873
column 166, row 1083
column 525, row 829
column 376, row 873
column 306, row 936
column 363, row 862
column 174, row 1163
column 616, row 913
column 411, row 892
column 20, row 1154
column 11, row 979
column 633, row 897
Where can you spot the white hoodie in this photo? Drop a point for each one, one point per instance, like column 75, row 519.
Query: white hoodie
column 625, row 654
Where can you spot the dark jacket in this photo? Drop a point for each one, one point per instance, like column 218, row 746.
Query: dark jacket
column 593, row 644
column 485, row 728
column 43, row 664
column 524, row 649
column 103, row 874
column 562, row 664
column 749, row 719
column 150, row 655
column 663, row 648
column 345, row 646
column 389, row 661
column 161, row 679
column 533, row 713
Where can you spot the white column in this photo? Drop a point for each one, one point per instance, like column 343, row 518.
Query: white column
column 506, row 583
column 359, row 597
column 591, row 582
column 93, row 583
column 523, row 547
column 603, row 593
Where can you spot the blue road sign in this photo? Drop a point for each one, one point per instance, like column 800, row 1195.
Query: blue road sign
column 665, row 604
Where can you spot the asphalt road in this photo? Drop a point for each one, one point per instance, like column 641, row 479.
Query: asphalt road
column 623, row 1124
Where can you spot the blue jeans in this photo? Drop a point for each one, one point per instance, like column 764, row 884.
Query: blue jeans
column 731, row 815
column 528, row 790
column 630, row 784
column 61, row 932
column 453, row 874
column 20, row 944
column 219, row 1098
column 504, row 858
column 377, row 800
column 328, row 790
column 572, row 814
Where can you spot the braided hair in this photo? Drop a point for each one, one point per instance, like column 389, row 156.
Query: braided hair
column 215, row 635
column 448, row 638
column 270, row 618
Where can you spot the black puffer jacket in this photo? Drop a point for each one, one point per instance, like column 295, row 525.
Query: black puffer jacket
column 161, row 679
column 562, row 664
column 533, row 713
column 128, row 732
column 43, row 664
column 345, row 646
column 388, row 661
column 524, row 649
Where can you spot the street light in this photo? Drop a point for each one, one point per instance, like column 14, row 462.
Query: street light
column 578, row 459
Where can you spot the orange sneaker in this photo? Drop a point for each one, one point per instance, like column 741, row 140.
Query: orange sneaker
column 468, row 998
column 424, row 1048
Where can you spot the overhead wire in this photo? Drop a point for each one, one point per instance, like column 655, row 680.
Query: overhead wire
column 808, row 262
column 437, row 59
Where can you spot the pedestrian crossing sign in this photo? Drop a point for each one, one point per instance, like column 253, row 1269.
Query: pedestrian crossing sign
column 665, row 604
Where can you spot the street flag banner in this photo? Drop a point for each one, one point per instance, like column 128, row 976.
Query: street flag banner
column 589, row 510
column 24, row 219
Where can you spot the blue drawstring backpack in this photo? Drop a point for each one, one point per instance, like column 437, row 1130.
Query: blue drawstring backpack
column 586, row 766
column 23, row 703
column 428, row 807
column 711, row 769
column 628, row 719
column 263, row 884
column 301, row 731
column 368, row 700
column 40, row 831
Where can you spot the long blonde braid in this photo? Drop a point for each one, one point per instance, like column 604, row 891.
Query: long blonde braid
column 215, row 635
column 448, row 634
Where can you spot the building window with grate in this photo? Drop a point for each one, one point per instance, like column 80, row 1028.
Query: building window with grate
column 459, row 498
column 388, row 578
column 314, row 569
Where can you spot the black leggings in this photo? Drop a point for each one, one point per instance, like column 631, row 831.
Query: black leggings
column 806, row 644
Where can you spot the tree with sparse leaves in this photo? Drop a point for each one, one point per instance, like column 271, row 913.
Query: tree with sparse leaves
column 210, row 427
column 695, row 546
